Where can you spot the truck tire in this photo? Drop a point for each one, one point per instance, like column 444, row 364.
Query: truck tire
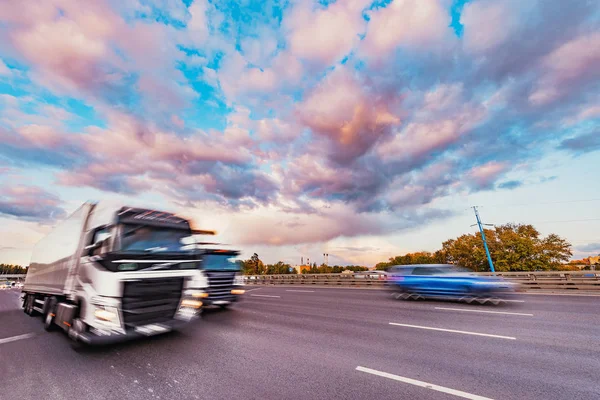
column 49, row 311
column 75, row 329
column 29, row 302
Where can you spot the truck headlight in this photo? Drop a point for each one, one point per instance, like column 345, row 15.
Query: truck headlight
column 107, row 314
column 191, row 303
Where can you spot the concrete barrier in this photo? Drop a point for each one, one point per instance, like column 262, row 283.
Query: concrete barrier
column 530, row 281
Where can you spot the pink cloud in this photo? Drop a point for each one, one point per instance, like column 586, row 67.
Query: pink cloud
column 344, row 112
column 325, row 35
column 571, row 64
column 489, row 24
column 29, row 203
column 88, row 49
column 34, row 136
column 483, row 176
column 277, row 228
column 416, row 25
column 443, row 127
column 178, row 122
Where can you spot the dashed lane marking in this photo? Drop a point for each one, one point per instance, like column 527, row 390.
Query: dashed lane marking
column 422, row 384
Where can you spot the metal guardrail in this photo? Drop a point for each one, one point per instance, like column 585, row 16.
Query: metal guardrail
column 530, row 281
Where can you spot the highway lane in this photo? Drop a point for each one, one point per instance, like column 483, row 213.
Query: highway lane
column 306, row 343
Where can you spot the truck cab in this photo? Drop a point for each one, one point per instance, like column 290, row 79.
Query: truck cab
column 225, row 281
column 108, row 274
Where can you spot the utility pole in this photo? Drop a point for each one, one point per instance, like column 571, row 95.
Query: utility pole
column 487, row 251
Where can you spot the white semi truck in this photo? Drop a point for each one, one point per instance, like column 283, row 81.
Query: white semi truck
column 112, row 273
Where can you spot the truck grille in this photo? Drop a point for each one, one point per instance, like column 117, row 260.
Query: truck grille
column 151, row 301
column 220, row 284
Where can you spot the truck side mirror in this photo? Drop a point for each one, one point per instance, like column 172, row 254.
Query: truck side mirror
column 89, row 250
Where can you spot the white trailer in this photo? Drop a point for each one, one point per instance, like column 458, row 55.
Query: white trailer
column 111, row 273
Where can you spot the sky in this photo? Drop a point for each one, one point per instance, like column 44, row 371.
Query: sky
column 362, row 129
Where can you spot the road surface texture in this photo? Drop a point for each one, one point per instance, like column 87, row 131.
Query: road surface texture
column 302, row 343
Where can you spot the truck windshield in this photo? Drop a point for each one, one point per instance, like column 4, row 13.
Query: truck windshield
column 151, row 239
column 219, row 262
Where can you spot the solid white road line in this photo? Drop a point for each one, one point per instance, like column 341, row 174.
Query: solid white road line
column 454, row 331
column 15, row 338
column 422, row 384
column 263, row 295
column 514, row 301
column 300, row 291
column 483, row 311
column 251, row 290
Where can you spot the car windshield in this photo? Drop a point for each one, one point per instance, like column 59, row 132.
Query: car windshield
column 151, row 239
column 220, row 262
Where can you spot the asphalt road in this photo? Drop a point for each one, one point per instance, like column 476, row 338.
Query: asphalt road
column 303, row 343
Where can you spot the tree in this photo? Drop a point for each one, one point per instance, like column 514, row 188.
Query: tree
column 12, row 269
column 513, row 247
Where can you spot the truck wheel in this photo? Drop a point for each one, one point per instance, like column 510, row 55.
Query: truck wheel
column 29, row 305
column 74, row 331
column 50, row 309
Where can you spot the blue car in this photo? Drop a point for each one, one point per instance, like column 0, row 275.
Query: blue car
column 446, row 280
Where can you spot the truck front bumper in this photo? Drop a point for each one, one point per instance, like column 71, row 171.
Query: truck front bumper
column 96, row 337
column 222, row 300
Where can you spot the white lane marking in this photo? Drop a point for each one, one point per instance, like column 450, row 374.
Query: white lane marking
column 250, row 290
column 264, row 295
column 563, row 294
column 483, row 311
column 300, row 291
column 422, row 384
column 15, row 338
column 515, row 301
column 454, row 331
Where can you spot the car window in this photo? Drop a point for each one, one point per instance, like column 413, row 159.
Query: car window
column 427, row 271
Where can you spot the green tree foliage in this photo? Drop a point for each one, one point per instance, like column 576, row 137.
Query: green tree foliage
column 255, row 266
column 513, row 247
column 335, row 269
column 12, row 269
column 421, row 257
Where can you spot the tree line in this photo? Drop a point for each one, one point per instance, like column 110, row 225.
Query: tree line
column 255, row 266
column 513, row 247
column 12, row 269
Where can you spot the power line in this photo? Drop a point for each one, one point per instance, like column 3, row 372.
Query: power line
column 570, row 220
column 541, row 203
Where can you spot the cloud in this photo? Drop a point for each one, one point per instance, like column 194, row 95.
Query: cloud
column 489, row 24
column 571, row 65
column 589, row 248
column 91, row 51
column 4, row 70
column 415, row 25
column 325, row 35
column 349, row 116
column 510, row 185
column 584, row 143
column 484, row 176
column 30, row 203
column 267, row 227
